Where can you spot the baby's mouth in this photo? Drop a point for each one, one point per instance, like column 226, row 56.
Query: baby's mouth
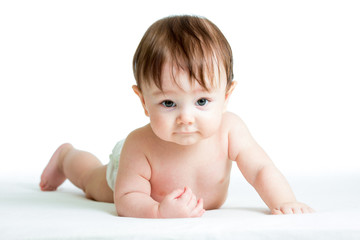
column 185, row 132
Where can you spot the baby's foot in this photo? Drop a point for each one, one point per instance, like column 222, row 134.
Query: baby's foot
column 53, row 176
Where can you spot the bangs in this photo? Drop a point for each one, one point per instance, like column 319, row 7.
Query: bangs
column 199, row 66
column 190, row 44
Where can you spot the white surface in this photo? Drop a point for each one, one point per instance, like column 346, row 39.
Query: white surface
column 28, row 213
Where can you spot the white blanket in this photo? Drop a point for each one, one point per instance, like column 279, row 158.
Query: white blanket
column 28, row 213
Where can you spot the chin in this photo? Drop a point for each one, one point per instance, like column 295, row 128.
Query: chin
column 186, row 143
column 187, row 140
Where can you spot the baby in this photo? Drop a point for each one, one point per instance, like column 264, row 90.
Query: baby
column 179, row 164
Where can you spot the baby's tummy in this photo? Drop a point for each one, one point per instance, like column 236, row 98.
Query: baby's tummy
column 214, row 194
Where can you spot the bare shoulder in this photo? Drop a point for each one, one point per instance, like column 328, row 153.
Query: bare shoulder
column 238, row 134
column 139, row 136
column 233, row 122
column 133, row 157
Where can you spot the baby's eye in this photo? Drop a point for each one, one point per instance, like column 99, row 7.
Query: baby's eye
column 202, row 102
column 168, row 104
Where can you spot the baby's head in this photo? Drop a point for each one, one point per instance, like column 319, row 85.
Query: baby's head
column 188, row 43
column 183, row 69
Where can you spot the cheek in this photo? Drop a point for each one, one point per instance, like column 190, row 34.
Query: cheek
column 214, row 117
column 159, row 124
column 210, row 122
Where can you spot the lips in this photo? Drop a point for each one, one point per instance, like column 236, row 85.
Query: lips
column 186, row 132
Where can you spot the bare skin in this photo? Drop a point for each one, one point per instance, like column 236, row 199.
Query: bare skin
column 86, row 172
column 211, row 174
column 83, row 169
column 179, row 164
column 53, row 176
column 204, row 171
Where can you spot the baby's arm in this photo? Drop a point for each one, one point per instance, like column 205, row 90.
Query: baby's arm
column 260, row 171
column 133, row 190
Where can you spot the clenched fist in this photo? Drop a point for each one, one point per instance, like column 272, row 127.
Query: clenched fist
column 181, row 203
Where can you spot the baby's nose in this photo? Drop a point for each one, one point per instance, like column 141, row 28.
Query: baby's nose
column 185, row 117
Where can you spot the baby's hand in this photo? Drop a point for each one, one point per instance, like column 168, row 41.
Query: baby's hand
column 181, row 203
column 292, row 208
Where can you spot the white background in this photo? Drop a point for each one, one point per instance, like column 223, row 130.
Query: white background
column 66, row 76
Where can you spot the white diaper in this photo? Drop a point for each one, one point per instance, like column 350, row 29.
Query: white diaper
column 113, row 165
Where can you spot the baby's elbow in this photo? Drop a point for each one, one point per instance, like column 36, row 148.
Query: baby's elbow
column 119, row 211
column 119, row 205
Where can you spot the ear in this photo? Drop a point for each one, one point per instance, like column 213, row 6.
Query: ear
column 138, row 92
column 229, row 92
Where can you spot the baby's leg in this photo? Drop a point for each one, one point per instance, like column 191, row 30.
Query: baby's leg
column 83, row 169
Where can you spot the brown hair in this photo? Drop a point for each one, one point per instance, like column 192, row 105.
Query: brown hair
column 190, row 43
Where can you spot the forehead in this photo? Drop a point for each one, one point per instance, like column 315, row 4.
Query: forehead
column 174, row 76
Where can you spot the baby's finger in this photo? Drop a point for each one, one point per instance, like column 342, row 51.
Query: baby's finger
column 307, row 210
column 297, row 210
column 304, row 210
column 192, row 202
column 286, row 210
column 311, row 210
column 175, row 194
column 199, row 213
column 276, row 211
column 199, row 209
column 186, row 196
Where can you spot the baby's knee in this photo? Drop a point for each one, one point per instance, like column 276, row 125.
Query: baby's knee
column 97, row 187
